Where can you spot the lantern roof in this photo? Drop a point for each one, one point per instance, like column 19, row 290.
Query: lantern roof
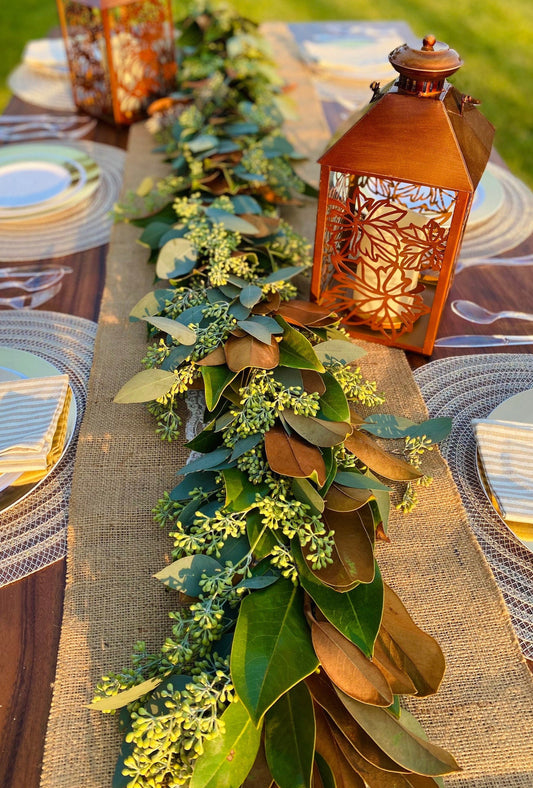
column 441, row 141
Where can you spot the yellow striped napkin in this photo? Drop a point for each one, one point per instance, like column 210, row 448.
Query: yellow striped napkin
column 506, row 452
column 30, row 410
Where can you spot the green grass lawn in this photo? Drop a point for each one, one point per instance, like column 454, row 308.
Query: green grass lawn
column 494, row 38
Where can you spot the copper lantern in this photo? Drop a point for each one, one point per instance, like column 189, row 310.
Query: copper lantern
column 395, row 194
column 120, row 55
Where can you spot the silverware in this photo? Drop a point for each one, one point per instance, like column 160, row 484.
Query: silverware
column 487, row 340
column 32, row 284
column 33, row 300
column 17, row 128
column 475, row 313
column 32, row 269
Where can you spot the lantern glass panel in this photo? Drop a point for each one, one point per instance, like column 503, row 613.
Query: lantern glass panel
column 384, row 248
column 120, row 58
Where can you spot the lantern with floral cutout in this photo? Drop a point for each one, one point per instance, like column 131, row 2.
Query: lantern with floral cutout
column 395, row 194
column 120, row 55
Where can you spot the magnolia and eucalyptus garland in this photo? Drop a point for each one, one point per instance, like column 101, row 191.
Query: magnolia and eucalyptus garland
column 287, row 652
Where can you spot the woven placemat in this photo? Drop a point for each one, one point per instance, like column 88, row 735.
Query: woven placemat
column 466, row 388
column 84, row 226
column 33, row 534
column 41, row 89
column 483, row 712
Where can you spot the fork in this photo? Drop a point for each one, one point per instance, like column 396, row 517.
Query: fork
column 32, row 300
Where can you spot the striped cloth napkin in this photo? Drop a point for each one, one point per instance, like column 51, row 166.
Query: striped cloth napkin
column 506, row 452
column 29, row 416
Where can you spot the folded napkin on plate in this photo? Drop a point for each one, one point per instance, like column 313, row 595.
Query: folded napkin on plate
column 30, row 411
column 506, row 452
column 46, row 53
column 351, row 57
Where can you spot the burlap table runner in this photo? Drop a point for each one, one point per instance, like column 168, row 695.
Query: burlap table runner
column 484, row 710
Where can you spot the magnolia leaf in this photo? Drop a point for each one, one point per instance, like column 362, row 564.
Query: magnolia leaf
column 272, row 649
column 347, row 666
column 379, row 461
column 216, row 379
column 313, row 382
column 341, row 722
column 323, row 776
column 126, row 696
column 356, row 613
column 319, row 432
column 150, row 304
column 259, row 775
column 176, row 329
column 244, row 352
column 289, row 455
column 355, row 418
column 207, row 462
column 240, row 493
column 326, row 746
column 304, row 491
column 215, row 358
column 290, row 737
column 290, row 377
column 341, row 351
column 185, row 573
column 360, row 481
column 146, row 386
column 227, row 758
column 296, row 351
column 333, row 402
column 231, row 222
column 353, row 553
column 304, row 313
column 260, row 537
column 346, row 499
column 387, row 426
column 397, row 741
column 414, row 651
column 250, row 295
column 176, row 258
column 388, row 659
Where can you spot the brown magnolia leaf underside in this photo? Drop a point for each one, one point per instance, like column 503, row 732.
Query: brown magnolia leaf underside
column 216, row 358
column 243, row 352
column 353, row 555
column 346, row 499
column 304, row 313
column 380, row 461
column 328, row 748
column 291, row 456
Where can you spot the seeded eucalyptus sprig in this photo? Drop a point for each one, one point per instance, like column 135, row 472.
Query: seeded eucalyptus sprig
column 288, row 653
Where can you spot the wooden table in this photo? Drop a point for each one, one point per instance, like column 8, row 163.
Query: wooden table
column 31, row 609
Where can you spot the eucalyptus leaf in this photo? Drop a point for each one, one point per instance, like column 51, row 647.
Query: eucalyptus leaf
column 202, row 142
column 245, row 203
column 272, row 649
column 176, row 258
column 151, row 304
column 388, row 426
column 360, row 480
column 204, row 479
column 230, row 221
column 176, row 357
column 184, row 574
column 341, row 351
column 282, row 274
column 228, row 757
column 146, row 386
column 177, row 330
column 234, row 549
column 259, row 581
column 243, row 445
column 174, row 232
column 207, row 462
column 239, row 311
column 256, row 330
column 152, row 233
column 250, row 295
column 290, row 737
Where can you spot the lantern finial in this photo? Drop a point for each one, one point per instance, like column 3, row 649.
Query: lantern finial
column 424, row 71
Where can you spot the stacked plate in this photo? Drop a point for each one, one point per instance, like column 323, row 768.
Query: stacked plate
column 46, row 55
column 43, row 76
column 39, row 180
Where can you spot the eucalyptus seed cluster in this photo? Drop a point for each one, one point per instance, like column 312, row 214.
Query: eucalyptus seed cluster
column 168, row 420
column 413, row 450
column 219, row 325
column 262, row 400
column 354, row 386
column 207, row 534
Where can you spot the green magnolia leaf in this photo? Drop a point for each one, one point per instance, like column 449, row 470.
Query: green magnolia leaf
column 326, row 775
column 272, row 649
column 305, row 492
column 317, row 431
column 176, row 329
column 387, row 426
column 206, row 440
column 151, row 304
column 185, row 573
column 176, row 258
column 356, row 613
column 260, row 537
column 146, row 386
column 342, row 351
column 216, row 379
column 240, row 494
column 333, row 402
column 296, row 351
column 227, row 759
column 250, row 295
column 398, row 741
column 290, row 737
column 126, row 696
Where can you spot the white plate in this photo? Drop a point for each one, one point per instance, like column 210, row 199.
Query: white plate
column 21, row 364
column 517, row 408
column 52, row 177
column 488, row 199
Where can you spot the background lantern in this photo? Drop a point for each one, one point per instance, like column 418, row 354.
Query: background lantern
column 120, row 55
column 395, row 194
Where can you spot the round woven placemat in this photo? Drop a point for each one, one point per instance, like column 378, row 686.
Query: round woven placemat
column 83, row 226
column 33, row 533
column 466, row 388
column 41, row 89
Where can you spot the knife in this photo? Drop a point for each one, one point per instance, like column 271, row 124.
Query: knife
column 486, row 340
